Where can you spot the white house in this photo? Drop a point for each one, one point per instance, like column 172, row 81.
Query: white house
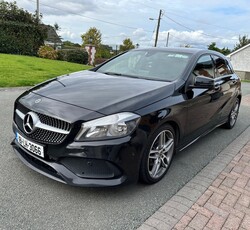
column 240, row 60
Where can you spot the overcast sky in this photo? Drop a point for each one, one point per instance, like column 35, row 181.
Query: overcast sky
column 193, row 22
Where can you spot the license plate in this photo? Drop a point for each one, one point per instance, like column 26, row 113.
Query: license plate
column 30, row 146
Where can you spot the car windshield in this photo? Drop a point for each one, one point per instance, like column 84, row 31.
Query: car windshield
column 147, row 64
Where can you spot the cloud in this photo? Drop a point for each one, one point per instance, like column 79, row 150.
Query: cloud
column 197, row 39
column 67, row 7
column 131, row 19
column 67, row 35
column 139, row 32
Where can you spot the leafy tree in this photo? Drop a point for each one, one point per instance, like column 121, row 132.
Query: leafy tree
column 105, row 51
column 243, row 41
column 9, row 11
column 57, row 27
column 224, row 50
column 20, row 31
column 94, row 37
column 127, row 45
column 213, row 46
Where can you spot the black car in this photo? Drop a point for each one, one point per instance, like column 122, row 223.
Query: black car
column 126, row 118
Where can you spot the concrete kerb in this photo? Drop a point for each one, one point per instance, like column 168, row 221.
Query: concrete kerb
column 176, row 207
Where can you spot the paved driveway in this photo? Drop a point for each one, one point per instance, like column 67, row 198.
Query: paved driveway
column 29, row 200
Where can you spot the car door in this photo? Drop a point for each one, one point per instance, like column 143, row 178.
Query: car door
column 202, row 103
column 227, row 81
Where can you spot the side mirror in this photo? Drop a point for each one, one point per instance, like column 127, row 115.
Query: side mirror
column 204, row 82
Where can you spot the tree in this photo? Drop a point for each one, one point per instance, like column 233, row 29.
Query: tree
column 9, row 11
column 94, row 37
column 243, row 41
column 127, row 45
column 105, row 51
column 20, row 31
column 57, row 27
column 213, row 46
column 224, row 50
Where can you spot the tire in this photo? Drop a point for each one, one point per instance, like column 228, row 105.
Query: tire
column 232, row 117
column 158, row 155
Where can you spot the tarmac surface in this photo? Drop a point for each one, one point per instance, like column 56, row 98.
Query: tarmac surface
column 29, row 200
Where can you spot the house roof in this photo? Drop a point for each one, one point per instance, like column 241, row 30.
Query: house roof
column 239, row 50
column 52, row 36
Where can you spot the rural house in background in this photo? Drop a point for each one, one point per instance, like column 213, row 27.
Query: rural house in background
column 240, row 60
column 53, row 39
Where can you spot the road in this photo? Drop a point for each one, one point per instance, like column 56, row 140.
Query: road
column 29, row 200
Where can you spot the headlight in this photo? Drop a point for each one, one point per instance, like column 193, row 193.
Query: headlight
column 113, row 126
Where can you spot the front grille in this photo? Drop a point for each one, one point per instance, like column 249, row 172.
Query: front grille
column 51, row 121
column 44, row 135
column 47, row 137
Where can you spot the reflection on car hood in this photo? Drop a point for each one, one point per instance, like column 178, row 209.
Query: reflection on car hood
column 103, row 93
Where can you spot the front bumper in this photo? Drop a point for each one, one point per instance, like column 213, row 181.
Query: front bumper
column 95, row 164
column 59, row 172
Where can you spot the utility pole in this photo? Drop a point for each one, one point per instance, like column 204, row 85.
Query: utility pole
column 167, row 40
column 158, row 27
column 37, row 10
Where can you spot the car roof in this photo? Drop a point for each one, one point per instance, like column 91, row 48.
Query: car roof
column 194, row 51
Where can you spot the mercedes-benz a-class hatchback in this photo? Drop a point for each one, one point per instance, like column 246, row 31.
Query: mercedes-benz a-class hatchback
column 126, row 118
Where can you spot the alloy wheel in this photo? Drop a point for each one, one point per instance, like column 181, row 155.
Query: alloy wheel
column 161, row 153
column 234, row 113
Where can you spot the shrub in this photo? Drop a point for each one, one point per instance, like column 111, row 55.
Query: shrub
column 62, row 55
column 73, row 55
column 77, row 56
column 47, row 52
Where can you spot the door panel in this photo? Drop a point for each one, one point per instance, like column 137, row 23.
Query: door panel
column 204, row 104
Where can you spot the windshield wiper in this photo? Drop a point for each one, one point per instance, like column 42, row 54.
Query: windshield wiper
column 112, row 73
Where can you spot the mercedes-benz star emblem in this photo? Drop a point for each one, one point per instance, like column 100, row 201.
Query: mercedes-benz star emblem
column 38, row 100
column 29, row 122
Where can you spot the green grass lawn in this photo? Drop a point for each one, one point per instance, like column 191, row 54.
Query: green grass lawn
column 18, row 70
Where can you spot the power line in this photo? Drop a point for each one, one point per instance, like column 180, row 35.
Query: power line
column 130, row 27
column 209, row 35
column 200, row 22
column 95, row 19
column 193, row 30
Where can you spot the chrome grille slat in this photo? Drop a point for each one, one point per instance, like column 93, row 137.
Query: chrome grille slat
column 56, row 134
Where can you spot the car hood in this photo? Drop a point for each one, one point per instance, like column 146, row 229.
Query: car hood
column 104, row 93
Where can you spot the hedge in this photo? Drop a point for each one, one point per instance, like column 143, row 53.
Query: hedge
column 73, row 55
column 21, row 38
